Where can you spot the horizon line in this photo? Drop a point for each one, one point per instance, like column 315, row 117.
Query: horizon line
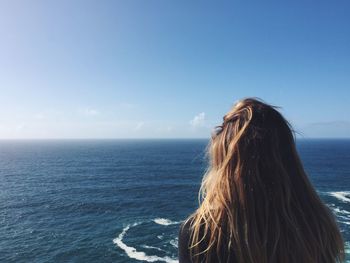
column 152, row 138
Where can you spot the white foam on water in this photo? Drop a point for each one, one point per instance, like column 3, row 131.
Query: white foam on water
column 165, row 222
column 138, row 255
column 345, row 222
column 342, row 214
column 341, row 211
column 343, row 196
column 152, row 247
column 347, row 250
column 343, row 217
column 347, row 247
column 174, row 242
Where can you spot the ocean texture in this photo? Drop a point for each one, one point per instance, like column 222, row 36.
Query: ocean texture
column 123, row 200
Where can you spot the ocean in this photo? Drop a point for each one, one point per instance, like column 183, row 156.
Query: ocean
column 123, row 200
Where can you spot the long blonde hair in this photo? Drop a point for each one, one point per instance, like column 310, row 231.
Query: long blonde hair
column 256, row 202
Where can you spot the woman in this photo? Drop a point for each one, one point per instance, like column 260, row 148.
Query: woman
column 257, row 204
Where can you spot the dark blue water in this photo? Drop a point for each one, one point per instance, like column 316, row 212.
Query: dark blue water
column 123, row 200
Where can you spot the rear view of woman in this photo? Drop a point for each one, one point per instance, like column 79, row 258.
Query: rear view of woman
column 257, row 204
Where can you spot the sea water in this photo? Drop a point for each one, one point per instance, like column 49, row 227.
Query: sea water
column 123, row 200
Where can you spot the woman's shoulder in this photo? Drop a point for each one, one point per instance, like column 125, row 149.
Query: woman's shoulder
column 185, row 230
column 184, row 243
column 186, row 225
column 184, row 240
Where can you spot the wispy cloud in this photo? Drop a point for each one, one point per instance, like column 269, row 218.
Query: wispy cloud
column 139, row 125
column 164, row 129
column 20, row 127
column 39, row 116
column 198, row 120
column 88, row 112
column 127, row 106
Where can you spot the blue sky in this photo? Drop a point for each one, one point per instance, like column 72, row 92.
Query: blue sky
column 170, row 69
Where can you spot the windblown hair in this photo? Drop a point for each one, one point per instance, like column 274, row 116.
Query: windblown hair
column 257, row 204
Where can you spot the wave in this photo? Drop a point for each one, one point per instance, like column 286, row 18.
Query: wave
column 174, row 242
column 343, row 196
column 165, row 222
column 341, row 211
column 152, row 247
column 138, row 255
column 347, row 247
column 341, row 214
column 344, row 222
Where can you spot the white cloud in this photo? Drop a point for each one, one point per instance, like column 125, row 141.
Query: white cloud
column 39, row 116
column 20, row 127
column 160, row 129
column 127, row 106
column 89, row 112
column 198, row 120
column 139, row 125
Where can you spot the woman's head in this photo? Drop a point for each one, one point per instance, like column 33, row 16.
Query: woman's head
column 249, row 130
column 257, row 204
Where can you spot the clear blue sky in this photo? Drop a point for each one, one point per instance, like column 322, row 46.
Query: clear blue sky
column 170, row 69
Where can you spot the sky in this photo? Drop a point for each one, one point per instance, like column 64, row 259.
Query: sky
column 170, row 69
